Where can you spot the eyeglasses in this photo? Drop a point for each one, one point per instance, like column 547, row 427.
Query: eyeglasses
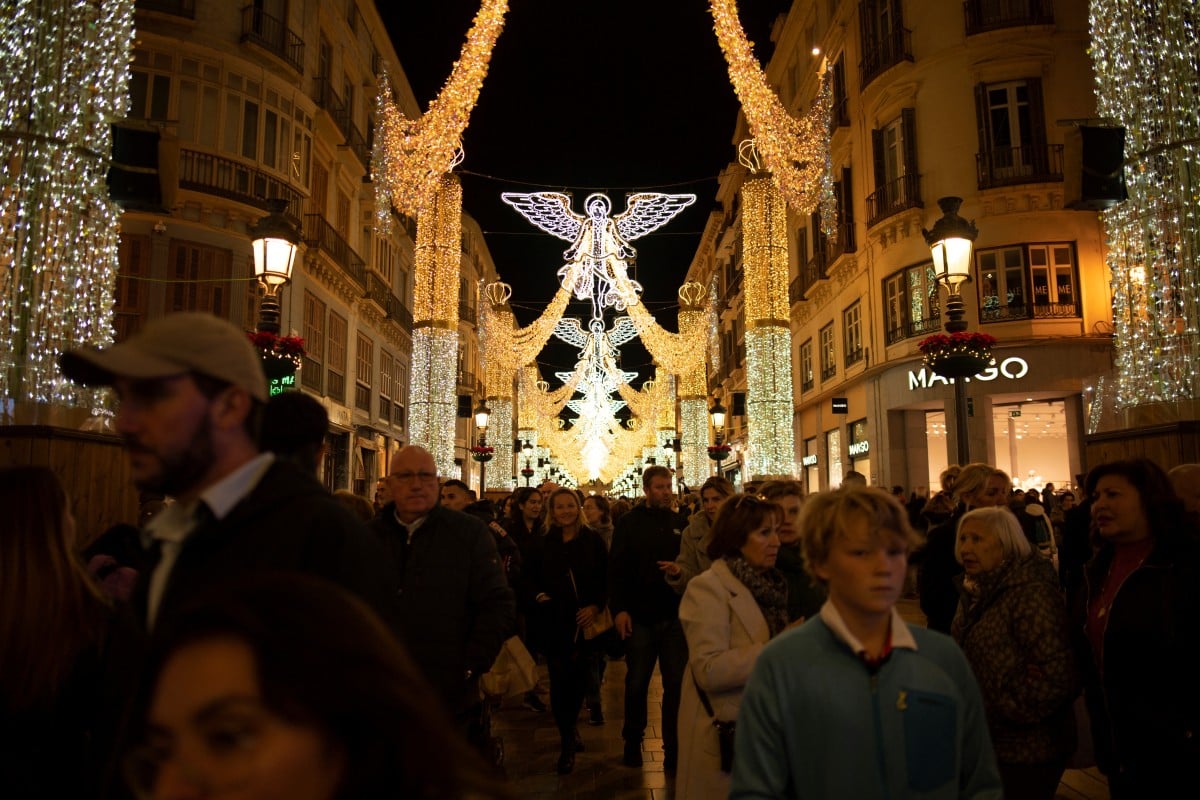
column 409, row 477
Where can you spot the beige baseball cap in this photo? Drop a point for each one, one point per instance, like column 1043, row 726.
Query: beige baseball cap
column 169, row 346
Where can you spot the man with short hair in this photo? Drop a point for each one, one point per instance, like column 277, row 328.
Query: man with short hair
column 645, row 611
column 548, row 488
column 455, row 495
column 456, row 609
column 1186, row 480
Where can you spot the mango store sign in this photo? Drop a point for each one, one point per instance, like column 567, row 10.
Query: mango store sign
column 1011, row 368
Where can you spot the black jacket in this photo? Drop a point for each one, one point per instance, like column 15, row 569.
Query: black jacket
column 936, row 570
column 573, row 574
column 641, row 539
column 455, row 607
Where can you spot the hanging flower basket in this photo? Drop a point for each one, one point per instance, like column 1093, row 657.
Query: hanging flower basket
column 957, row 355
column 719, row 452
column 482, row 453
column 281, row 355
column 527, row 472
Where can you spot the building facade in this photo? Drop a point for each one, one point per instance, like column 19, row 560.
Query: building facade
column 975, row 103
column 235, row 104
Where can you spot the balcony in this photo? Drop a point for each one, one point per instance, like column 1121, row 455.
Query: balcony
column 466, row 379
column 342, row 116
column 816, row 269
column 1015, row 311
column 1011, row 166
column 854, row 356
column 796, row 288
column 885, row 52
column 467, row 312
column 731, row 289
column 176, row 8
column 381, row 295
column 990, row 15
column 320, row 234
column 893, row 197
column 841, row 244
column 921, row 327
column 311, row 373
column 272, row 35
column 224, row 177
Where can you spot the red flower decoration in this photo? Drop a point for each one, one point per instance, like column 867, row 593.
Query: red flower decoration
column 272, row 344
column 962, row 341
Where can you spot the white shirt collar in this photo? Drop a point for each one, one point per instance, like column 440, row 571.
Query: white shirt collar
column 175, row 522
column 901, row 636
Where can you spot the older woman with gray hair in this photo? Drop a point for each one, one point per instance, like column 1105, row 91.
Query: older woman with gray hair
column 1012, row 625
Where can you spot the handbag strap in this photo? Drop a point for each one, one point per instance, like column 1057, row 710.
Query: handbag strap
column 704, row 698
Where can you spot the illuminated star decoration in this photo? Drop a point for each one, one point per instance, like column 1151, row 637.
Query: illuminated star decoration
column 411, row 155
column 600, row 247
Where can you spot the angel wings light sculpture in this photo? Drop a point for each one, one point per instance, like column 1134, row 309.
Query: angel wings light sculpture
column 600, row 248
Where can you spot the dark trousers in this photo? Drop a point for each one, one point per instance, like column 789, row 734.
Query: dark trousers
column 570, row 674
column 662, row 642
column 1032, row 781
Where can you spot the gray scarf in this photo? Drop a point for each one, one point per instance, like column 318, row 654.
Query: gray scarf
column 769, row 589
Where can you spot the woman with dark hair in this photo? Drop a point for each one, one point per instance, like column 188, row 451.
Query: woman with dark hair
column 693, row 542
column 598, row 512
column 524, row 526
column 286, row 686
column 729, row 612
column 805, row 595
column 1137, row 613
column 568, row 579
column 53, row 624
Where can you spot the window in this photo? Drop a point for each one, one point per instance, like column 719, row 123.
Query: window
column 859, row 448
column 399, row 391
column 833, row 453
column 852, row 333
column 828, row 365
column 1012, row 135
column 910, row 302
column 336, row 364
column 885, row 40
column 129, row 298
column 844, row 202
column 150, row 85
column 364, row 363
column 199, row 102
column 897, row 184
column 1031, row 280
column 812, row 471
column 385, row 259
column 806, row 366
column 386, row 365
column 240, row 125
column 841, row 103
column 311, row 373
column 202, row 278
column 988, row 15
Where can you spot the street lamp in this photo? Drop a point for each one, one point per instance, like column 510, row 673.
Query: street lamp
column 950, row 241
column 275, row 242
column 717, row 412
column 482, row 412
column 527, row 451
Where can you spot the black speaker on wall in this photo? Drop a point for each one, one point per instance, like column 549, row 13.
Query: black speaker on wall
column 464, row 406
column 739, row 404
column 1093, row 168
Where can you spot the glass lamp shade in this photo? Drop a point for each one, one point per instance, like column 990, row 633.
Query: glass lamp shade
column 950, row 242
column 273, row 260
column 717, row 412
column 527, row 449
column 482, row 412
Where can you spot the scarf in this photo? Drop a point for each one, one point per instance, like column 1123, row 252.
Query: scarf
column 769, row 589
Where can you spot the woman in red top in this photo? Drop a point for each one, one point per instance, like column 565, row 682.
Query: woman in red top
column 1137, row 619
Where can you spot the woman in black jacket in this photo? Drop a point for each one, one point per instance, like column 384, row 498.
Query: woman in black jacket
column 567, row 576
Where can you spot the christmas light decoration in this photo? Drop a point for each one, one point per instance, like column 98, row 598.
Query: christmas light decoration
column 64, row 73
column 410, row 156
column 768, row 331
column 1148, row 79
column 600, row 246
column 795, row 151
column 435, row 325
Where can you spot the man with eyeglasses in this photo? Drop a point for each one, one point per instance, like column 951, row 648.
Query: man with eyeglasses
column 456, row 609
column 646, row 613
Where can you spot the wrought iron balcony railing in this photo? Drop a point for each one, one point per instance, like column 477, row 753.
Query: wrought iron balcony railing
column 1015, row 311
column 1010, row 166
column 893, row 197
column 921, row 327
column 320, row 234
column 884, row 52
column 224, row 177
column 990, row 15
column 273, row 35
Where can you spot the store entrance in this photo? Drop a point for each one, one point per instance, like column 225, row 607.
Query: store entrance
column 1031, row 443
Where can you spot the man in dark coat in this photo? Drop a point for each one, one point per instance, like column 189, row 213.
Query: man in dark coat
column 191, row 391
column 455, row 606
column 646, row 612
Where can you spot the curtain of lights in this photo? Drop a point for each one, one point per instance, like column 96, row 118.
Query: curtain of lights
column 1148, row 79
column 435, row 324
column 64, row 73
column 768, row 334
column 410, row 156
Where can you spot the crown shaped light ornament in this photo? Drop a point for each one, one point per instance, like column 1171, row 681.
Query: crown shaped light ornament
column 748, row 155
column 693, row 295
column 498, row 293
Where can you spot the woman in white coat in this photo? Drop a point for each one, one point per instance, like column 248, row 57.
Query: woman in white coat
column 728, row 613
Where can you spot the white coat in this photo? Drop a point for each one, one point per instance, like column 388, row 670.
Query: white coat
column 725, row 632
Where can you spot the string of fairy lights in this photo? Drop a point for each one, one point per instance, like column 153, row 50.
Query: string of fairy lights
column 1148, row 80
column 64, row 69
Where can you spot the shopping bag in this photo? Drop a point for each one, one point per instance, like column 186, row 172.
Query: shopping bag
column 513, row 673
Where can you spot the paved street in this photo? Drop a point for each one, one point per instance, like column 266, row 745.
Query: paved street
column 531, row 746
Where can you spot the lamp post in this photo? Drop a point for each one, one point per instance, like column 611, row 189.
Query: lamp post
column 275, row 241
column 950, row 241
column 717, row 412
column 482, row 412
column 527, row 451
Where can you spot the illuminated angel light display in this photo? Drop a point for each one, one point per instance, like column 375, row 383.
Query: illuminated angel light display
column 600, row 250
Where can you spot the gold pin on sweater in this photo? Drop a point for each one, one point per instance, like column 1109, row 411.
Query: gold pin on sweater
column 901, row 701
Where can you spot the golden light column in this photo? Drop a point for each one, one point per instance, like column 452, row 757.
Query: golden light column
column 503, row 349
column 435, row 325
column 768, row 330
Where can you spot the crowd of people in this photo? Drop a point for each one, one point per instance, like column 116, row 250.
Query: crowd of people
column 254, row 632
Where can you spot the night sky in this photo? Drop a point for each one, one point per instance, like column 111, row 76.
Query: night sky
column 611, row 96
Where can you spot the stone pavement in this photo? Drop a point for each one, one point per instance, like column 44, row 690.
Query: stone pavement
column 531, row 750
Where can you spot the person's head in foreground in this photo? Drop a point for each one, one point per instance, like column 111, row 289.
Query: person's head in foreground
column 285, row 686
column 746, row 526
column 989, row 537
column 856, row 542
column 789, row 497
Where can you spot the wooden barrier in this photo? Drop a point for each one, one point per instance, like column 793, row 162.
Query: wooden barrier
column 92, row 467
column 1168, row 445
